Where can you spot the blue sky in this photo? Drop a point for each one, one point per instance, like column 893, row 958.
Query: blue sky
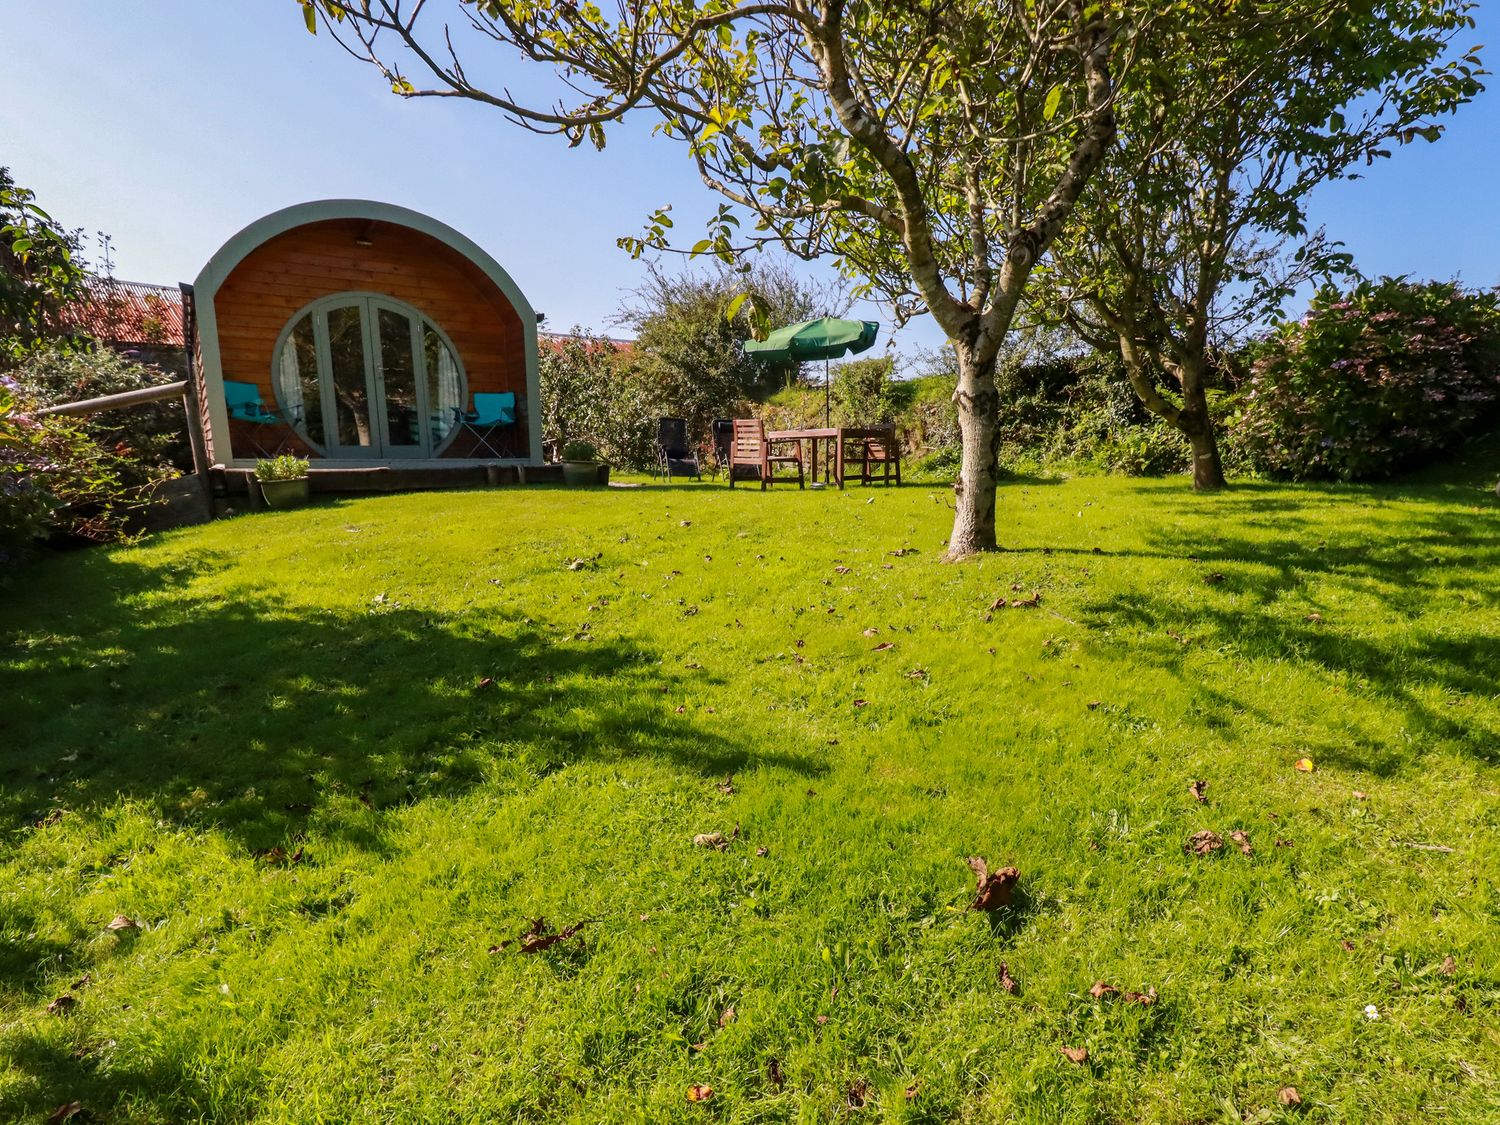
column 170, row 124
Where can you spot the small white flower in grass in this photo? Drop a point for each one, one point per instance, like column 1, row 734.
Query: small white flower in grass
column 1372, row 1012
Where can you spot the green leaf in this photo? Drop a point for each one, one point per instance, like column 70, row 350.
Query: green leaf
column 1054, row 99
column 310, row 17
column 735, row 305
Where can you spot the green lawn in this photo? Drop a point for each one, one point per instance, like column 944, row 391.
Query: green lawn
column 329, row 759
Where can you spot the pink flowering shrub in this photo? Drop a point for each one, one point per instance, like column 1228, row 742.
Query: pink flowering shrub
column 1374, row 381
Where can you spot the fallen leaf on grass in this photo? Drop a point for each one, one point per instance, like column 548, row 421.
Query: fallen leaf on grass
column 62, row 1005
column 773, row 1072
column 536, row 939
column 488, row 681
column 1280, row 843
column 1315, row 617
column 65, row 1112
column 711, row 840
column 1346, row 945
column 88, row 979
column 1303, row 765
column 121, row 922
column 1213, row 579
column 1007, row 981
column 857, row 1093
column 1288, row 1096
column 884, row 646
column 762, row 852
column 913, row 1090
column 1361, row 795
column 726, row 786
column 1199, row 790
column 1100, row 990
column 50, row 819
column 681, row 708
column 1077, row 1055
column 727, row 1016
column 861, row 703
column 1016, row 603
column 1450, row 966
column 902, row 552
column 841, row 570
column 1204, row 842
column 992, row 889
column 1243, row 840
column 871, row 631
column 696, row 1093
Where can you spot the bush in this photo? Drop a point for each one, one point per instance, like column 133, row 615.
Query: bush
column 1143, row 451
column 151, row 437
column 862, row 392
column 54, row 479
column 1373, row 381
column 580, row 451
column 593, row 390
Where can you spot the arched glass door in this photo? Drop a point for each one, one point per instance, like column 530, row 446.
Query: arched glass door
column 369, row 377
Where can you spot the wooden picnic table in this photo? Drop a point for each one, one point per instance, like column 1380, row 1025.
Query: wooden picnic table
column 837, row 437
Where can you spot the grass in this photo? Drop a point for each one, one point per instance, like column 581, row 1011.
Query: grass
column 328, row 759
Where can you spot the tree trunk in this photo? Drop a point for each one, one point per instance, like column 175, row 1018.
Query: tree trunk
column 1192, row 420
column 1195, row 423
column 978, row 424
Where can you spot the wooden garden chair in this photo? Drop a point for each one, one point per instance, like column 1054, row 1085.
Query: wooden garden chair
column 752, row 451
column 875, row 450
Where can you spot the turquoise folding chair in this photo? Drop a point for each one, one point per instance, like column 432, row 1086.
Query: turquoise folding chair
column 492, row 411
column 245, row 405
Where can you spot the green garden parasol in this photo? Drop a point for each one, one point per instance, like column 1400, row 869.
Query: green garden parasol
column 826, row 338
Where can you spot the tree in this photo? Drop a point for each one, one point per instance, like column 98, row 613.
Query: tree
column 39, row 272
column 692, row 350
column 933, row 148
column 1199, row 230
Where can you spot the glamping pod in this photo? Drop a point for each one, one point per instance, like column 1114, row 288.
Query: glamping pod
column 363, row 336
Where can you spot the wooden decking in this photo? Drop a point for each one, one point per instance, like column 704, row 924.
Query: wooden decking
column 231, row 485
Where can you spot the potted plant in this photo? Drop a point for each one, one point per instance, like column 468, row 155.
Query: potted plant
column 580, row 462
column 283, row 480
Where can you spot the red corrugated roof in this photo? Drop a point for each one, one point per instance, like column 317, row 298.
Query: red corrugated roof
column 128, row 312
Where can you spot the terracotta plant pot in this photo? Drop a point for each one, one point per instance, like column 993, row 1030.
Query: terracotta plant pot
column 581, row 472
column 285, row 493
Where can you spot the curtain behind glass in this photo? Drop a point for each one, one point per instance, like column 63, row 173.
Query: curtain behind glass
column 445, row 392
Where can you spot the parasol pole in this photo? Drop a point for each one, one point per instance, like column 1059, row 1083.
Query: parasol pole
column 827, row 395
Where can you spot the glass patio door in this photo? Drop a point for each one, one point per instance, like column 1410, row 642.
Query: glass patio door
column 368, row 377
column 374, row 403
column 348, row 385
column 401, row 397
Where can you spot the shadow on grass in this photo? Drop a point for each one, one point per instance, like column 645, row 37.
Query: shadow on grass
column 166, row 1090
column 1428, row 670
column 256, row 718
